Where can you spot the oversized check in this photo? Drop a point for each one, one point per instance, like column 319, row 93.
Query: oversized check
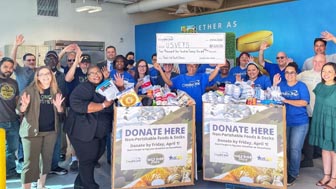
column 190, row 48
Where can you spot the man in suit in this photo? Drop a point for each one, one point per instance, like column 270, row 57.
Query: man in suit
column 111, row 53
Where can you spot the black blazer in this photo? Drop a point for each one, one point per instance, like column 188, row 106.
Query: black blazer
column 102, row 64
column 86, row 126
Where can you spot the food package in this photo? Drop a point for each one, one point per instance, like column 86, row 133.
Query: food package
column 128, row 98
column 108, row 89
column 146, row 85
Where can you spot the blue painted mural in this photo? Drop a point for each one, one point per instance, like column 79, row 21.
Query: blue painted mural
column 294, row 26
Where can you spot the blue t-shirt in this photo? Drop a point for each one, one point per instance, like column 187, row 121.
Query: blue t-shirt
column 194, row 86
column 127, row 77
column 273, row 69
column 237, row 70
column 206, row 68
column 24, row 76
column 263, row 81
column 160, row 79
column 153, row 75
column 295, row 115
column 220, row 79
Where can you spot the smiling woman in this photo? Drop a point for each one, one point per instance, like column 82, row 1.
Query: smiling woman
column 42, row 107
column 296, row 98
column 86, row 132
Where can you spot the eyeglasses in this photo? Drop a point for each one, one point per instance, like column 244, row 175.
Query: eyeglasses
column 43, row 74
column 71, row 60
column 30, row 60
column 290, row 73
column 142, row 66
column 280, row 57
column 94, row 73
column 225, row 67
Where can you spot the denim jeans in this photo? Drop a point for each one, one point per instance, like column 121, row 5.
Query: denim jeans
column 57, row 150
column 12, row 140
column 295, row 139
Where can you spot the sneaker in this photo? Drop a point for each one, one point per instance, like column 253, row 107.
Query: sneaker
column 306, row 163
column 62, row 157
column 290, row 180
column 19, row 166
column 74, row 166
column 59, row 171
column 34, row 184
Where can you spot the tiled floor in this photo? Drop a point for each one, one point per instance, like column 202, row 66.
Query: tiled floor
column 307, row 179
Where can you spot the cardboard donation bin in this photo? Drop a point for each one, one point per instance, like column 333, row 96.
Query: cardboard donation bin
column 153, row 146
column 244, row 144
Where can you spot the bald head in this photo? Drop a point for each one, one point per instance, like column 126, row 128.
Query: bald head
column 318, row 61
column 282, row 59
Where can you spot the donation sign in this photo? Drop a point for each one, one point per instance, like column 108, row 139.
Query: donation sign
column 244, row 144
column 153, row 147
column 238, row 143
column 190, row 48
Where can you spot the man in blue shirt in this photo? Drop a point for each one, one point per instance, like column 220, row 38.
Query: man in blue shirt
column 194, row 84
column 273, row 69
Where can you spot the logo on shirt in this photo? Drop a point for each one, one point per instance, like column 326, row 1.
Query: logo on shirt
column 290, row 93
column 46, row 99
column 7, row 91
column 192, row 84
column 82, row 79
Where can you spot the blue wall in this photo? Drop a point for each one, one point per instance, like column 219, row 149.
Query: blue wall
column 295, row 25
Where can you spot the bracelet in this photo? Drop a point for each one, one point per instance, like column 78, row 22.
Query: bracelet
column 103, row 105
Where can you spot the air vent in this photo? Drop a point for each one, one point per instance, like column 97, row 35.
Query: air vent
column 47, row 7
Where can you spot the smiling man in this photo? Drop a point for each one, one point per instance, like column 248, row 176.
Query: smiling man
column 8, row 119
column 273, row 69
column 51, row 60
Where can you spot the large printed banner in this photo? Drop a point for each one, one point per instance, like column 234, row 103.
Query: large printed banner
column 190, row 48
column 153, row 147
column 244, row 144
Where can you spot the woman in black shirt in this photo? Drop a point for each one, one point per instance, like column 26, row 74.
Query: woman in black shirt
column 88, row 122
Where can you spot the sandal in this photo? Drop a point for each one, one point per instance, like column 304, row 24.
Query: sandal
column 327, row 186
column 320, row 183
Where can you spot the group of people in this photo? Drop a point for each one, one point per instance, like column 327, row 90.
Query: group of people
column 45, row 103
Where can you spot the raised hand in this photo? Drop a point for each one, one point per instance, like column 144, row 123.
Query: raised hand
column 238, row 77
column 25, row 100
column 251, row 59
column 263, row 46
column 58, row 102
column 327, row 36
column 70, row 48
column 288, row 60
column 78, row 58
column 19, row 40
column 157, row 67
column 119, row 80
column 1, row 54
column 105, row 72
column 276, row 79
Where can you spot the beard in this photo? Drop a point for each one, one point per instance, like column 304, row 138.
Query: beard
column 5, row 75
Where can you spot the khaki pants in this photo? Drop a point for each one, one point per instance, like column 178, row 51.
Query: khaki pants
column 38, row 153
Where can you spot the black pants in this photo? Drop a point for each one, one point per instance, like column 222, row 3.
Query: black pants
column 88, row 154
